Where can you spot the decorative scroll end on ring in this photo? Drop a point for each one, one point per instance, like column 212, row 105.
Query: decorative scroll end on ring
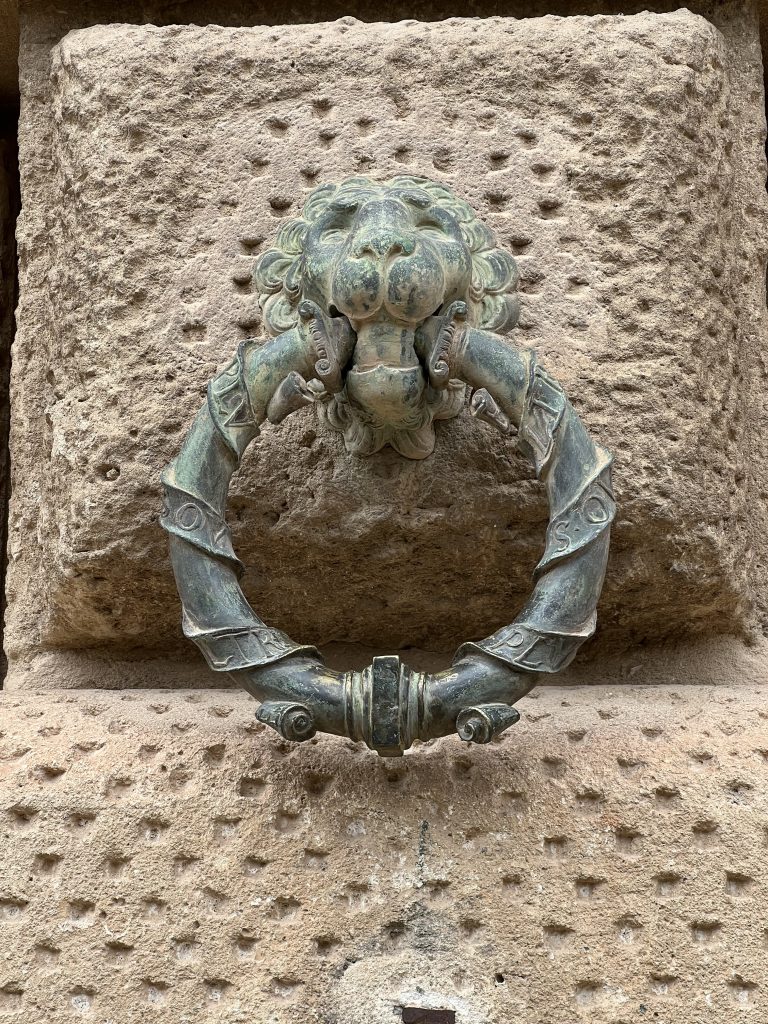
column 294, row 722
column 484, row 722
column 484, row 407
column 293, row 393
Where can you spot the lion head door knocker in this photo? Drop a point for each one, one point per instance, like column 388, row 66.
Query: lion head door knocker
column 383, row 301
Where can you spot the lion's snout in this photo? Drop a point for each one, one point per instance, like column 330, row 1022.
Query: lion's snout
column 386, row 266
column 383, row 246
column 404, row 279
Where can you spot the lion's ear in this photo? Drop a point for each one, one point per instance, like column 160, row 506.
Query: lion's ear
column 494, row 285
column 318, row 200
column 280, row 314
column 291, row 236
column 499, row 313
column 477, row 236
column 270, row 271
column 496, row 270
column 277, row 277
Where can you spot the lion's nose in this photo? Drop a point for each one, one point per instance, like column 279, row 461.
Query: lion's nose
column 381, row 246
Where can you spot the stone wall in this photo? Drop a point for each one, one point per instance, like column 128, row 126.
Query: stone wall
column 627, row 182
column 165, row 856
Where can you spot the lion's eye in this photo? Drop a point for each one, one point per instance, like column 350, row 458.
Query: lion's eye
column 333, row 235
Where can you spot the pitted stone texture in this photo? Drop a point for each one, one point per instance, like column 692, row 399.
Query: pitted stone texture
column 165, row 856
column 619, row 159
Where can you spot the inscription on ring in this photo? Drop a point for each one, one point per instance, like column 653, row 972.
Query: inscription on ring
column 189, row 517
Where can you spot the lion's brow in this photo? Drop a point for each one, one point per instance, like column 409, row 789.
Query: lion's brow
column 415, row 197
column 344, row 204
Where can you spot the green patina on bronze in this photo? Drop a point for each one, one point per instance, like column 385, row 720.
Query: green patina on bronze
column 383, row 301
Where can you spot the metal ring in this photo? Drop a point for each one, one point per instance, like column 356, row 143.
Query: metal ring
column 388, row 706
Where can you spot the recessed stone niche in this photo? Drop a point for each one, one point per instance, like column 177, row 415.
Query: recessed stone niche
column 618, row 158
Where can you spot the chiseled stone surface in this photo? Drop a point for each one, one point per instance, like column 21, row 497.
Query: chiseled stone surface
column 619, row 158
column 8, row 213
column 166, row 858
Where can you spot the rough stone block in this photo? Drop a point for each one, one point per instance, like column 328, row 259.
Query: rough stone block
column 619, row 159
column 167, row 859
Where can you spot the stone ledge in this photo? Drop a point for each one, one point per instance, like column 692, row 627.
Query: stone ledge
column 716, row 661
column 604, row 861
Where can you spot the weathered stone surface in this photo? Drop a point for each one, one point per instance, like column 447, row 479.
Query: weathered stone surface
column 620, row 160
column 9, row 203
column 165, row 857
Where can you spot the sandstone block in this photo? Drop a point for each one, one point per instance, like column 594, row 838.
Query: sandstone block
column 8, row 213
column 618, row 158
column 166, row 858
